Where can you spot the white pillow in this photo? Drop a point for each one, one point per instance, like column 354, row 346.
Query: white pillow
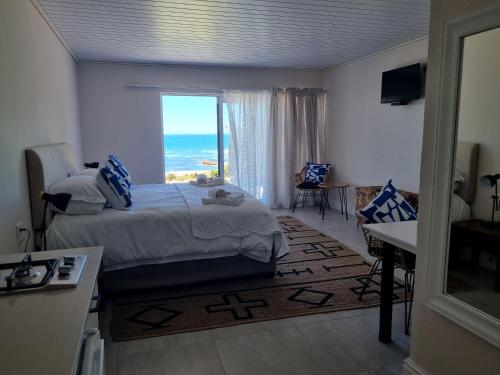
column 88, row 172
column 458, row 180
column 86, row 198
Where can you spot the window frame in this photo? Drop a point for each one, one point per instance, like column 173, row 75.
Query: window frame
column 220, row 125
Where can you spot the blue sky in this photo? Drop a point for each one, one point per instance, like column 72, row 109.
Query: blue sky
column 189, row 114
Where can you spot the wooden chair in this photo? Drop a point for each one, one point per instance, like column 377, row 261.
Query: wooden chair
column 307, row 189
column 403, row 259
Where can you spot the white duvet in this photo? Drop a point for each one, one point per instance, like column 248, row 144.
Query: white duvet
column 459, row 209
column 168, row 223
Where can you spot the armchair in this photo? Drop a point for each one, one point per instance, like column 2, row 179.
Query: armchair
column 306, row 188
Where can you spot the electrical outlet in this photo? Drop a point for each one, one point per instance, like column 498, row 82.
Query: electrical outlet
column 20, row 234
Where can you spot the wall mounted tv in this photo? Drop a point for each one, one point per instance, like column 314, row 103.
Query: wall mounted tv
column 400, row 86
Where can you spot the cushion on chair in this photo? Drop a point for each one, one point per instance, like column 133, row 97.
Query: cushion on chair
column 308, row 185
column 316, row 172
column 388, row 206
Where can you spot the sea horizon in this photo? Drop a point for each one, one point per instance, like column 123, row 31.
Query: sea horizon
column 192, row 152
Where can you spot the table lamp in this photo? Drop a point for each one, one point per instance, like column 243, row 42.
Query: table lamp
column 488, row 181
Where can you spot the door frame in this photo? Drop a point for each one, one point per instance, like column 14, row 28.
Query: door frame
column 435, row 238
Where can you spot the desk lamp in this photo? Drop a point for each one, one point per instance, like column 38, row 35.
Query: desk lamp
column 488, row 181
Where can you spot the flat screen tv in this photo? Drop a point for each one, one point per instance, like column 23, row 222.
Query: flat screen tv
column 400, row 86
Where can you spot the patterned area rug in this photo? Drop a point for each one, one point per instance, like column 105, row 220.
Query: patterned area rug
column 319, row 275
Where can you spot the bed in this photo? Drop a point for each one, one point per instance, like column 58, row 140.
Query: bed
column 167, row 238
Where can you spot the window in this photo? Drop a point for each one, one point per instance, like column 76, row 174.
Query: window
column 195, row 137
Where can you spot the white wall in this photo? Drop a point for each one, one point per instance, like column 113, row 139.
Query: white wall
column 479, row 112
column 370, row 142
column 38, row 105
column 114, row 117
column 439, row 346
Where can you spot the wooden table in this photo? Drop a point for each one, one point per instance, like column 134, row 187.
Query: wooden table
column 395, row 235
column 480, row 235
column 324, row 204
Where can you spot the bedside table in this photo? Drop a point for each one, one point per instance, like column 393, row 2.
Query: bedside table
column 480, row 236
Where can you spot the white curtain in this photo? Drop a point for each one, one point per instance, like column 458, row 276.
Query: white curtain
column 274, row 133
column 298, row 134
column 249, row 121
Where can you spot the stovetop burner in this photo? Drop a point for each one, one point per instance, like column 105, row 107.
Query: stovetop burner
column 26, row 274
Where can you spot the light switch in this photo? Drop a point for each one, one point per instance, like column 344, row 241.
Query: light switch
column 147, row 130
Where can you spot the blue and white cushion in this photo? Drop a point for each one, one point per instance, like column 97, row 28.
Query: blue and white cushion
column 388, row 206
column 119, row 167
column 114, row 188
column 316, row 172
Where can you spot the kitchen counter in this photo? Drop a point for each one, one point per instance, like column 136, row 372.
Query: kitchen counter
column 41, row 332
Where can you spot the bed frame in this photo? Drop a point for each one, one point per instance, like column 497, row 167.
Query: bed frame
column 48, row 164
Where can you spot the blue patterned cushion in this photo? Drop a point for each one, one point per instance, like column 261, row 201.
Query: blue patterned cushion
column 114, row 188
column 316, row 172
column 119, row 168
column 388, row 206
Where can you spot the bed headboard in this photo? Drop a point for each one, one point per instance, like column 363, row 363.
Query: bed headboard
column 45, row 166
column 466, row 163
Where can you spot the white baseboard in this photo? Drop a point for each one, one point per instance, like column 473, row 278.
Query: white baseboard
column 411, row 368
column 336, row 205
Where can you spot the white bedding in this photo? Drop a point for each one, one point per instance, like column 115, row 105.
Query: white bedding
column 459, row 209
column 168, row 223
column 218, row 220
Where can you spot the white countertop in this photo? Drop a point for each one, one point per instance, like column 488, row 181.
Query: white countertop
column 402, row 234
column 40, row 332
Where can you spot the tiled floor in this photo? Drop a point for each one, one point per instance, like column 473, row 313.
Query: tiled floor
column 335, row 343
column 484, row 297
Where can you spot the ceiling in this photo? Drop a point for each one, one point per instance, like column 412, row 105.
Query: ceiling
column 306, row 34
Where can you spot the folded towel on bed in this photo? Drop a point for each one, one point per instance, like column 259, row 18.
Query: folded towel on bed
column 221, row 196
column 218, row 193
column 225, row 201
column 249, row 218
column 207, row 182
column 201, row 179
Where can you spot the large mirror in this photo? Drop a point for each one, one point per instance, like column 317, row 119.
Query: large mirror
column 473, row 274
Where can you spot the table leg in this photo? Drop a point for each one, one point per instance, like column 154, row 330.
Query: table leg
column 497, row 274
column 344, row 193
column 386, row 293
column 325, row 202
column 341, row 201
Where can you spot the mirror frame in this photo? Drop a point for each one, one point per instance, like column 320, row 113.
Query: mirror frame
column 467, row 316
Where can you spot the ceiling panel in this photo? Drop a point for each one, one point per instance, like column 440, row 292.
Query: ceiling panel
column 306, row 34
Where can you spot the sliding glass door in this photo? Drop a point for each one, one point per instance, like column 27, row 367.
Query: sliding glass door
column 194, row 141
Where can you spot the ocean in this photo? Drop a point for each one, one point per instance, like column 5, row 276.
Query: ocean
column 187, row 152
